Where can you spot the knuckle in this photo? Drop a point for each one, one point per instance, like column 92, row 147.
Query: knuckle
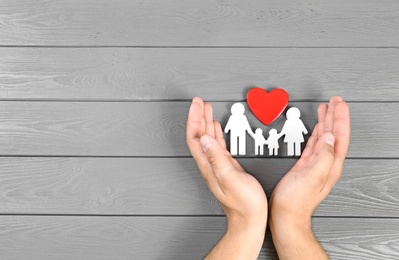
column 329, row 153
column 213, row 160
column 318, row 182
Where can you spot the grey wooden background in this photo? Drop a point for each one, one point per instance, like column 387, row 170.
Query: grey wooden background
column 94, row 98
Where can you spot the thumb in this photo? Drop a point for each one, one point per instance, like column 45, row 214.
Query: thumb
column 217, row 158
column 325, row 158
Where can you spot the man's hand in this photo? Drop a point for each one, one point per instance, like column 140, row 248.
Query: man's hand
column 240, row 194
column 301, row 190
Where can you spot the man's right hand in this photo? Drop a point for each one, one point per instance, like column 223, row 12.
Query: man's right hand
column 305, row 186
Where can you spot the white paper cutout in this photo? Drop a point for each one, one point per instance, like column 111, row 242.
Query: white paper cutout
column 238, row 126
column 293, row 129
column 260, row 141
column 272, row 142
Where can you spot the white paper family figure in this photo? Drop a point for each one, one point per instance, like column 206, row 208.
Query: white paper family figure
column 238, row 125
column 272, row 142
column 260, row 141
column 293, row 129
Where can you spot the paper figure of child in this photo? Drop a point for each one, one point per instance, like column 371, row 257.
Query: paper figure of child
column 260, row 141
column 293, row 129
column 272, row 142
column 238, row 126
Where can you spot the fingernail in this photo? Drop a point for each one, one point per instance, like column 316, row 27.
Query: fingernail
column 206, row 142
column 329, row 139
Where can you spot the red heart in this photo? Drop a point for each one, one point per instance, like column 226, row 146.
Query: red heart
column 267, row 106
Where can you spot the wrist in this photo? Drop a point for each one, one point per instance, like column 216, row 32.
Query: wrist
column 294, row 239
column 289, row 233
column 245, row 243
column 248, row 233
column 243, row 240
column 254, row 225
column 289, row 223
column 285, row 229
column 248, row 229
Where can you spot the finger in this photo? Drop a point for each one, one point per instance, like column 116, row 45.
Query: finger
column 195, row 129
column 209, row 126
column 321, row 115
column 329, row 120
column 308, row 152
column 311, row 143
column 219, row 134
column 195, row 121
column 312, row 148
column 220, row 163
column 342, row 129
column 222, row 142
column 342, row 132
column 326, row 113
column 235, row 163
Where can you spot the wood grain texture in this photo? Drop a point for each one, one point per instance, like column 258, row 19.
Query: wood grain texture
column 43, row 237
column 358, row 238
column 204, row 23
column 173, row 186
column 215, row 74
column 147, row 59
column 158, row 128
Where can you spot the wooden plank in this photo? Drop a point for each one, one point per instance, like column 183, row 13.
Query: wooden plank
column 165, row 186
column 158, row 128
column 109, row 186
column 82, row 237
column 108, row 238
column 358, row 238
column 204, row 23
column 212, row 73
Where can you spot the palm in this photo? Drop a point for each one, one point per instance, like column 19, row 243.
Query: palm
column 316, row 172
column 236, row 190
